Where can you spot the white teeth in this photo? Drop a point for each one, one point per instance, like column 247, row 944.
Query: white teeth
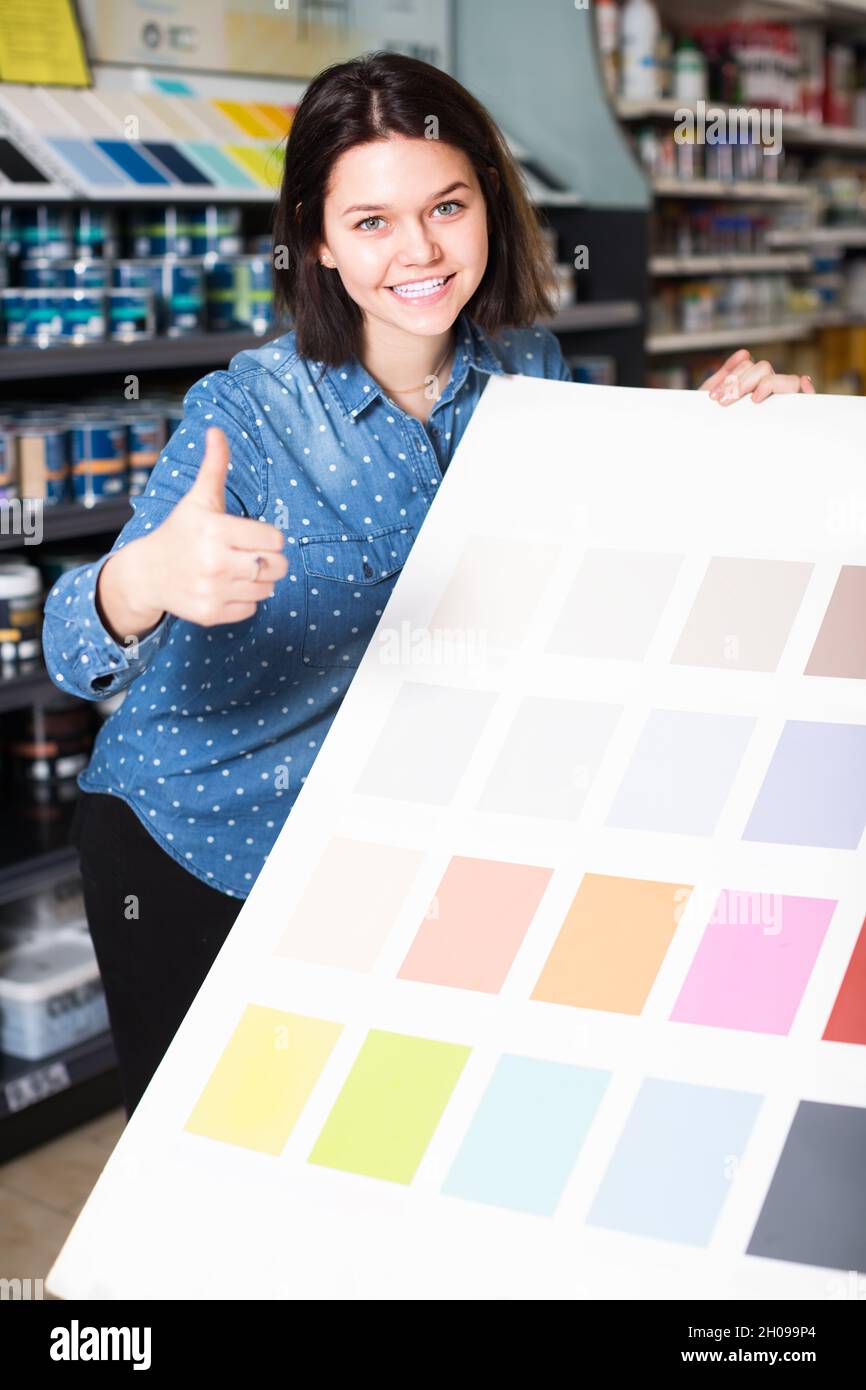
column 419, row 291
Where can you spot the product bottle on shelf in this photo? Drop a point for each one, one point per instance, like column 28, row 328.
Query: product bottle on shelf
column 639, row 25
column 690, row 71
column 607, row 28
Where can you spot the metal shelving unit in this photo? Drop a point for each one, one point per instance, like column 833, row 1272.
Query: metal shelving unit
column 753, row 190
column 69, row 520
column 659, row 343
column 733, row 264
column 199, row 350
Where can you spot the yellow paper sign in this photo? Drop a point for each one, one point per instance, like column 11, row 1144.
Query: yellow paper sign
column 40, row 41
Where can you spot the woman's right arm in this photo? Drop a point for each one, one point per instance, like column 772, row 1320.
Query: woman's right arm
column 187, row 552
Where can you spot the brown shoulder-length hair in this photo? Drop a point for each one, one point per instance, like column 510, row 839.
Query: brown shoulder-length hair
column 370, row 98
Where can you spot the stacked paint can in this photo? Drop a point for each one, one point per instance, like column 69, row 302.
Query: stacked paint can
column 62, row 282
column 83, row 454
column 20, row 616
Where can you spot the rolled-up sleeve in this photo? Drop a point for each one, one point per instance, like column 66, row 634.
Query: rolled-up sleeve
column 81, row 655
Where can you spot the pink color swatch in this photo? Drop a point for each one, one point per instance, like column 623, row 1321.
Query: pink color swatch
column 754, row 961
column 475, row 924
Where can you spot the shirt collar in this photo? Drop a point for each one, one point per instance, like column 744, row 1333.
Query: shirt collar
column 354, row 388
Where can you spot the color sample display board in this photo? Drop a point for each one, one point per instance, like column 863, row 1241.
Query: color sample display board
column 554, row 984
column 146, row 145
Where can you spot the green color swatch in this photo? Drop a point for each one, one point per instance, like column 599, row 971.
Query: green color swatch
column 389, row 1107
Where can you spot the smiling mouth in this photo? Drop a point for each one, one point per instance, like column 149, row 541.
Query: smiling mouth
column 423, row 289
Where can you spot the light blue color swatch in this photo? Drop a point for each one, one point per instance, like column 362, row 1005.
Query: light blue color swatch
column 215, row 162
column 681, row 772
column 526, row 1134
column 87, row 161
column 676, row 1159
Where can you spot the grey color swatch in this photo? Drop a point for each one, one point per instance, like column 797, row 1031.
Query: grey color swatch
column 815, row 1210
column 743, row 614
column 429, row 737
column 614, row 605
column 550, row 756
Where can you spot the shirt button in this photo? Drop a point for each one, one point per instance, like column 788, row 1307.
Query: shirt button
column 368, row 569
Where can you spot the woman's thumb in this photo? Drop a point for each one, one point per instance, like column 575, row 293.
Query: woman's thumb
column 209, row 486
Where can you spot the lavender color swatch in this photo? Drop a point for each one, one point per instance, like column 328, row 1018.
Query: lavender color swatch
column 814, row 792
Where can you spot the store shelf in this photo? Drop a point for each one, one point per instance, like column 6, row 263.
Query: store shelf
column 752, row 189
column 580, row 318
column 199, row 350
column 741, row 336
column 818, row 236
column 840, row 318
column 796, row 129
column 65, row 520
column 733, row 264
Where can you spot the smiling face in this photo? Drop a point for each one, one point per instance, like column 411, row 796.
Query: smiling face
column 406, row 224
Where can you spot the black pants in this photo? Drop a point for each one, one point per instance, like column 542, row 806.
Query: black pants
column 155, row 927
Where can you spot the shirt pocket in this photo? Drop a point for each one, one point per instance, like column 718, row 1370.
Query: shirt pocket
column 349, row 579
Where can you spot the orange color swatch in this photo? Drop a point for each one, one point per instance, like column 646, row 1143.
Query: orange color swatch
column 612, row 943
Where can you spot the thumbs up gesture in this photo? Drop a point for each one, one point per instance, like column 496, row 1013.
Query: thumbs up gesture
column 201, row 564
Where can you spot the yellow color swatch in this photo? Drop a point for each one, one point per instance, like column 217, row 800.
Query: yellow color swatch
column 612, row 943
column 246, row 118
column 263, row 1079
column 265, row 164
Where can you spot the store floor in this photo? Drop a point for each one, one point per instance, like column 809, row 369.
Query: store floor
column 42, row 1192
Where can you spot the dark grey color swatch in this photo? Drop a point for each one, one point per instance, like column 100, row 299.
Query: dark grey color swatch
column 815, row 1210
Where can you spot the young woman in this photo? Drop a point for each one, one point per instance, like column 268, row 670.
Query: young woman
column 235, row 605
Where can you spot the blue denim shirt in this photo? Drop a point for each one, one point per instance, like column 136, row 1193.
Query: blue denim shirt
column 220, row 726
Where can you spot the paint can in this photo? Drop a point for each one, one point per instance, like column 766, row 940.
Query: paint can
column 43, row 467
column 84, row 274
column 49, row 746
column 178, row 288
column 20, row 613
column 83, row 315
column 95, row 233
column 240, row 294
column 182, row 298
column 41, row 274
column 131, row 315
column 161, row 231
column 8, row 465
column 215, row 231
column 99, row 451
column 44, row 231
column 146, row 439
column 33, row 317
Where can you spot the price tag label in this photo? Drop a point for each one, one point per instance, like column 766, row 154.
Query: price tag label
column 35, row 1085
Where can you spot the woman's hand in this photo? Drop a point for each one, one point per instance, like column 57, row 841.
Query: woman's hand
column 200, row 564
column 740, row 376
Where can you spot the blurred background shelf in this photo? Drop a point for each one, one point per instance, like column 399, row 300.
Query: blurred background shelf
column 754, row 190
column 87, row 359
column 658, row 343
column 728, row 264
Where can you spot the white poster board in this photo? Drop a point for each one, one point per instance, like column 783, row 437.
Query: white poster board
column 553, row 983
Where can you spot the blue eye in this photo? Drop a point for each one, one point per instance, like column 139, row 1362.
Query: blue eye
column 375, row 217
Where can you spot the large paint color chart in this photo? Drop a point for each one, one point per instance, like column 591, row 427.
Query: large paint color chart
column 554, row 984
